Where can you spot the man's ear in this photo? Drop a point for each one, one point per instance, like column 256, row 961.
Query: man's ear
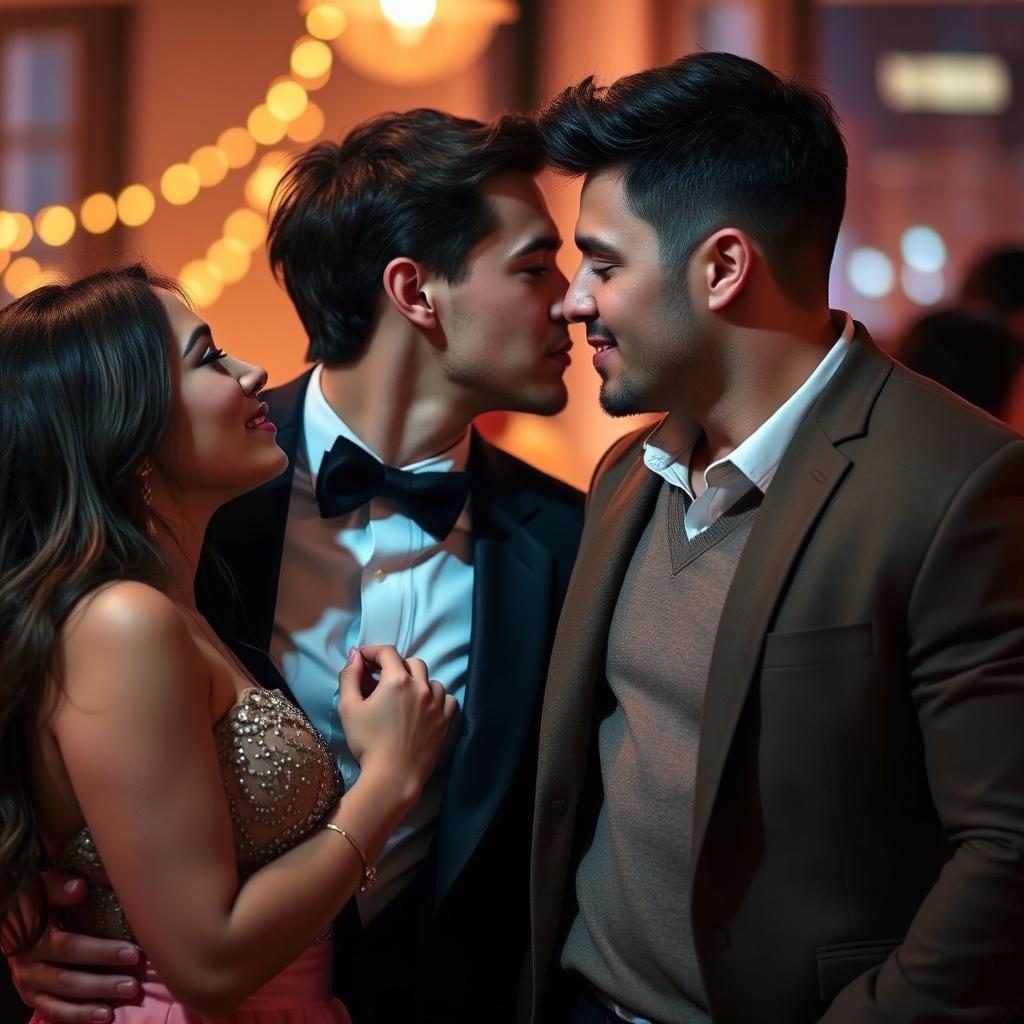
column 724, row 261
column 407, row 288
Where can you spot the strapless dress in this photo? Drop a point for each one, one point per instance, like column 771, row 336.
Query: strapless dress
column 280, row 780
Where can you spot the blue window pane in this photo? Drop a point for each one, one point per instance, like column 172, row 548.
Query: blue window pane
column 36, row 177
column 38, row 71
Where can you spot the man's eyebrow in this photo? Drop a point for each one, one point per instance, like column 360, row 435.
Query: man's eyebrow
column 196, row 334
column 543, row 243
column 589, row 244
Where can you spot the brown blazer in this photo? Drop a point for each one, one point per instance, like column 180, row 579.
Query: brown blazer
column 858, row 834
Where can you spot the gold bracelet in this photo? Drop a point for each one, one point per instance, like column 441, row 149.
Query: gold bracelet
column 369, row 871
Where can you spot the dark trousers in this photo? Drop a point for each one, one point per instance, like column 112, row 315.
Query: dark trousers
column 375, row 966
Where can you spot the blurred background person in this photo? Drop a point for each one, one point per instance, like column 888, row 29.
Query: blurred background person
column 995, row 285
column 974, row 356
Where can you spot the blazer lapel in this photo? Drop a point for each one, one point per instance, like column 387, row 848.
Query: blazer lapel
column 512, row 586
column 609, row 541
column 809, row 473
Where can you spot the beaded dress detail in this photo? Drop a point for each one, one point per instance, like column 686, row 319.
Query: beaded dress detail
column 280, row 779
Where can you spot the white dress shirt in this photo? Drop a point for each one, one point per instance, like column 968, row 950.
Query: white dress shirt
column 373, row 576
column 669, row 446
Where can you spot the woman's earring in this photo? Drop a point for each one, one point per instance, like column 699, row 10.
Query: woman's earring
column 147, row 497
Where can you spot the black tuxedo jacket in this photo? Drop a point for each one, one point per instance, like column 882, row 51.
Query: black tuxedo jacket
column 451, row 946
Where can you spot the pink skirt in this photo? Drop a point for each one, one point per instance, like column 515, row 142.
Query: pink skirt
column 300, row 994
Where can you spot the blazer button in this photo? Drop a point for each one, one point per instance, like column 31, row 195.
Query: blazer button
column 558, row 806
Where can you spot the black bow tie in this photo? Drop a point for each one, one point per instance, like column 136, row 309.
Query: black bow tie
column 350, row 477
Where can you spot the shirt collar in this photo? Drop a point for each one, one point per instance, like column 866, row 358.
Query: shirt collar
column 322, row 426
column 668, row 446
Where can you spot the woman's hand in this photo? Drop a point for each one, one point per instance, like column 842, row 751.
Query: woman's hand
column 397, row 724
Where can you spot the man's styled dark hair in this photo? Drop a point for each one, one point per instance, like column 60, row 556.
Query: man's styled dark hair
column 714, row 140
column 398, row 185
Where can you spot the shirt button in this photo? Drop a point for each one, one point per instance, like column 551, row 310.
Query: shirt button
column 380, row 575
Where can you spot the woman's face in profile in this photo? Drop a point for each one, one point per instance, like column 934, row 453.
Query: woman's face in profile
column 219, row 440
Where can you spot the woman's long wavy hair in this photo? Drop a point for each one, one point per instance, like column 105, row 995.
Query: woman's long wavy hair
column 85, row 398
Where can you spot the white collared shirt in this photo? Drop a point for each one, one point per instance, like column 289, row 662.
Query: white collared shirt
column 752, row 462
column 373, row 576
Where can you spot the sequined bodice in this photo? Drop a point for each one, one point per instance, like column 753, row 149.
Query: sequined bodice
column 280, row 779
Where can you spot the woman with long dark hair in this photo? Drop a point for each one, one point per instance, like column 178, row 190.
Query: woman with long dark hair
column 135, row 751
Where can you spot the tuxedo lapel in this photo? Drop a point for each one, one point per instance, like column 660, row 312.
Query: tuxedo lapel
column 512, row 593
column 809, row 473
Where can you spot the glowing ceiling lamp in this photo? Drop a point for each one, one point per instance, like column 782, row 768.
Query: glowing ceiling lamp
column 409, row 42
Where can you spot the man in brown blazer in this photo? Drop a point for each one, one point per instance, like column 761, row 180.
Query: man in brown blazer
column 782, row 753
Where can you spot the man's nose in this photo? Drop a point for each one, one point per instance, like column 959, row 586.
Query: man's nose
column 578, row 304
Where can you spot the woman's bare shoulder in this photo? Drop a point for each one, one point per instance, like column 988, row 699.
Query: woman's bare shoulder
column 124, row 637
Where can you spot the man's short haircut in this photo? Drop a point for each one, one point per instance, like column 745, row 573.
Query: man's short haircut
column 398, row 185
column 709, row 141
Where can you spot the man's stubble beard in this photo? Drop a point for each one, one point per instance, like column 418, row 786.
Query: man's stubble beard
column 629, row 397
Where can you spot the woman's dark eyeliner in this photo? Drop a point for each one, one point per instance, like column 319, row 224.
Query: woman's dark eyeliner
column 212, row 355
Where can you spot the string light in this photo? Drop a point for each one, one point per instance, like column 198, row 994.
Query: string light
column 309, row 125
column 202, row 283
column 325, row 22
column 135, row 205
column 287, row 111
column 180, row 184
column 211, row 164
column 264, row 127
column 230, row 258
column 246, row 226
column 55, row 225
column 311, row 58
column 20, row 271
column 287, row 100
column 237, row 145
column 98, row 213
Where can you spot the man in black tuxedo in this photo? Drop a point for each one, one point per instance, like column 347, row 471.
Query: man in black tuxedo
column 419, row 255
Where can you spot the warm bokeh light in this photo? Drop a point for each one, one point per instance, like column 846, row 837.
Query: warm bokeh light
column 309, row 125
column 325, row 21
column 237, row 145
column 55, row 225
column 19, row 272
column 247, row 227
column 211, row 164
column 5, row 259
column 264, row 126
column 180, row 184
column 259, row 189
column 135, row 205
column 287, row 100
column 8, row 229
column 37, row 280
column 98, row 213
column 22, row 232
column 201, row 282
column 944, row 83
column 230, row 258
column 409, row 13
column 311, row 58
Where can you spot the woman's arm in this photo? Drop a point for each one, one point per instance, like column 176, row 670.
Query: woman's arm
column 135, row 733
